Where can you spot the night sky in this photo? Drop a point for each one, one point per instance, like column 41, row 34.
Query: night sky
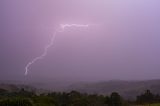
column 122, row 41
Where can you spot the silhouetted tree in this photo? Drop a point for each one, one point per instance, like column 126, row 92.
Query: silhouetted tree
column 3, row 92
column 115, row 99
column 146, row 98
column 16, row 102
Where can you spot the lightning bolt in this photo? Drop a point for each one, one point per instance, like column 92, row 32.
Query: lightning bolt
column 62, row 29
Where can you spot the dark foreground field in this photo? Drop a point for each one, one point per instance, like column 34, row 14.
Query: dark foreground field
column 156, row 104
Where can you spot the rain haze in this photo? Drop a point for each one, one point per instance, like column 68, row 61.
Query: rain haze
column 122, row 40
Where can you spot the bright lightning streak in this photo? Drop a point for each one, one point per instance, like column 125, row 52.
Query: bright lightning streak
column 62, row 28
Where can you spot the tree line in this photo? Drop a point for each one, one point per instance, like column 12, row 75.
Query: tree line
column 73, row 98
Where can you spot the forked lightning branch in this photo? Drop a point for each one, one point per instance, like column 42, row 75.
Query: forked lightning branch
column 62, row 29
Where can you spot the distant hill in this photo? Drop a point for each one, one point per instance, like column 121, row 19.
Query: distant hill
column 16, row 87
column 128, row 89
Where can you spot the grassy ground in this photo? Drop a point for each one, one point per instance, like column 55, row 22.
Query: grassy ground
column 150, row 105
column 155, row 105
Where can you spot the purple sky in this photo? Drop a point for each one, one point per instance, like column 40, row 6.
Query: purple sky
column 123, row 44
